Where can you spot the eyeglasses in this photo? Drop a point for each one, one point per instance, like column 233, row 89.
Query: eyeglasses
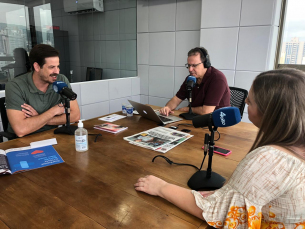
column 192, row 65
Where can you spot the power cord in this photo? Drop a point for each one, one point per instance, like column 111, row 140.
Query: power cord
column 171, row 162
column 184, row 124
column 218, row 136
column 97, row 135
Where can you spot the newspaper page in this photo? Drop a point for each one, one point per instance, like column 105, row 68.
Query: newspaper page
column 4, row 166
column 160, row 139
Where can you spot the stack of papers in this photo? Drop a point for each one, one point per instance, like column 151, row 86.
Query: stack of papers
column 160, row 139
column 112, row 118
column 110, row 127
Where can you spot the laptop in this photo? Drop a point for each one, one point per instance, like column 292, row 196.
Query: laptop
column 149, row 113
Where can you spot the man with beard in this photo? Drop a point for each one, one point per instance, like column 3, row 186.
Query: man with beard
column 32, row 105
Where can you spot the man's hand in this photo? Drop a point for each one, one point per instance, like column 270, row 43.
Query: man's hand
column 28, row 110
column 59, row 109
column 166, row 111
column 184, row 109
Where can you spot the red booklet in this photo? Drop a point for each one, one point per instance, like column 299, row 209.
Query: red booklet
column 110, row 127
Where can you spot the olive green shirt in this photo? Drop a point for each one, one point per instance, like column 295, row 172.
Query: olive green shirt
column 23, row 90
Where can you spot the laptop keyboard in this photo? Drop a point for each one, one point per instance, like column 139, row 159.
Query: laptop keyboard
column 163, row 119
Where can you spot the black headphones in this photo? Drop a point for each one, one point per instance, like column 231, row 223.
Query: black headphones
column 207, row 62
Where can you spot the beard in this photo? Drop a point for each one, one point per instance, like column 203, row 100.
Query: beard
column 50, row 78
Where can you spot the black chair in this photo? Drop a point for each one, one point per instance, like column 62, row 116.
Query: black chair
column 4, row 119
column 94, row 74
column 238, row 96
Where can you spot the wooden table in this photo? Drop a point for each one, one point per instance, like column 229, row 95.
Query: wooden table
column 94, row 189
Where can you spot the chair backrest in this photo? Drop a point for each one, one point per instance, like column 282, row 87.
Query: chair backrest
column 3, row 114
column 238, row 96
column 94, row 74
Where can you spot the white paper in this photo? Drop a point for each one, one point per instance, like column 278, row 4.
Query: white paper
column 112, row 118
column 48, row 142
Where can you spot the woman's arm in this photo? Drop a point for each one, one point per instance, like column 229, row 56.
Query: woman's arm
column 181, row 197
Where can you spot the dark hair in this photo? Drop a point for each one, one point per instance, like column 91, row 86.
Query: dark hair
column 40, row 52
column 280, row 98
column 202, row 52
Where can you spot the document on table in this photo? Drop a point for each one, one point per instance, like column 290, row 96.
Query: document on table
column 112, row 118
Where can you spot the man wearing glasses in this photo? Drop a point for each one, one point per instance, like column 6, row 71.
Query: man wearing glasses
column 211, row 91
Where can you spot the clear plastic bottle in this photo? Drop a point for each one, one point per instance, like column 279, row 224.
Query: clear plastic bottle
column 81, row 138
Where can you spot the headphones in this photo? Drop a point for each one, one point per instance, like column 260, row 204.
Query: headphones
column 207, row 62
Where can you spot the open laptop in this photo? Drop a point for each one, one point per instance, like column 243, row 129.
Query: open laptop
column 149, row 113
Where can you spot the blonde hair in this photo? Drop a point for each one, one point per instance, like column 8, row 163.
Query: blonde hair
column 280, row 98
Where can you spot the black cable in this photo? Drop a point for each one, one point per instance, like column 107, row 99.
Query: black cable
column 97, row 135
column 171, row 162
column 202, row 162
column 218, row 136
column 184, row 124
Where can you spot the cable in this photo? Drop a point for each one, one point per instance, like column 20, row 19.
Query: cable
column 202, row 162
column 218, row 136
column 97, row 135
column 171, row 162
column 184, row 124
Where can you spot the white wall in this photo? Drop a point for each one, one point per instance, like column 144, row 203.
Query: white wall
column 167, row 30
column 240, row 36
column 97, row 98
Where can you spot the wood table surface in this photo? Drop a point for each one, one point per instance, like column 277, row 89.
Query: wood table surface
column 94, row 189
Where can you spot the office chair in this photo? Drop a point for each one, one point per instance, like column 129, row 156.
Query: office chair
column 94, row 74
column 238, row 96
column 4, row 119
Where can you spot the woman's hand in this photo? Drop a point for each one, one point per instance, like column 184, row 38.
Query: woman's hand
column 151, row 185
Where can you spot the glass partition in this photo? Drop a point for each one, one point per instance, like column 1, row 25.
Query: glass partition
column 96, row 39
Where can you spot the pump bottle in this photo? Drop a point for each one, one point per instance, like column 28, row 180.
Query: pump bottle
column 81, row 138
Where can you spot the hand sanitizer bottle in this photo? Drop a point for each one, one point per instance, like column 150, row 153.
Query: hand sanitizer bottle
column 81, row 138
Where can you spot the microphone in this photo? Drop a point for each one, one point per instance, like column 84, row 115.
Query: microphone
column 223, row 117
column 62, row 88
column 190, row 82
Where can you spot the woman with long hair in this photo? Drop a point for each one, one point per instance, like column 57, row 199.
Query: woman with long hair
column 267, row 189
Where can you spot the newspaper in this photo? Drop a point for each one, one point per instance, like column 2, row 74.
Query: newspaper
column 160, row 139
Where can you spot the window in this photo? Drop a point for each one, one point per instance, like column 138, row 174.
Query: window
column 291, row 51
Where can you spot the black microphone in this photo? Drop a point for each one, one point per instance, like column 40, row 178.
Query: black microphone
column 62, row 88
column 190, row 83
column 223, row 117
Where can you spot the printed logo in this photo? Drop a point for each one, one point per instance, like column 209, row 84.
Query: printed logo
column 222, row 119
column 37, row 151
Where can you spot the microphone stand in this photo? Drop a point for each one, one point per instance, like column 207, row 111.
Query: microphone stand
column 190, row 115
column 207, row 179
column 67, row 128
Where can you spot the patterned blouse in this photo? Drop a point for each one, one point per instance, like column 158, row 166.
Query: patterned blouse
column 267, row 190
